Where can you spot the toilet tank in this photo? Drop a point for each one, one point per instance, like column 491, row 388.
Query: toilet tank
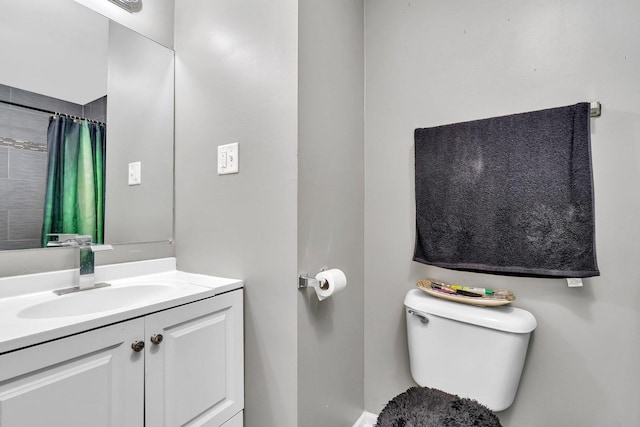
column 474, row 352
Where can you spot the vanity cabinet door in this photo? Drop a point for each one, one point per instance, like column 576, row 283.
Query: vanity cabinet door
column 90, row 379
column 195, row 374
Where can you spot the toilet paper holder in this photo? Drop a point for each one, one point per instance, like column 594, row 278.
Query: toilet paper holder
column 326, row 283
column 305, row 281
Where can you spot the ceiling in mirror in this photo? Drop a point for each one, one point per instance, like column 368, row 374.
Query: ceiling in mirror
column 63, row 58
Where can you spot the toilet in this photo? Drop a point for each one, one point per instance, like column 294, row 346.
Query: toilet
column 473, row 352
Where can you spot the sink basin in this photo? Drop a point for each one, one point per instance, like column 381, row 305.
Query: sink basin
column 31, row 313
column 97, row 300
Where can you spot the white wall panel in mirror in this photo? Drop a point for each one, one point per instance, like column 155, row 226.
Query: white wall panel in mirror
column 140, row 112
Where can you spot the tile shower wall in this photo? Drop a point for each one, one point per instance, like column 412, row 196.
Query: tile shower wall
column 96, row 110
column 23, row 161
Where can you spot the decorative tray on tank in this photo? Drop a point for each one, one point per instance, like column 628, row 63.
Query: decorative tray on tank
column 465, row 294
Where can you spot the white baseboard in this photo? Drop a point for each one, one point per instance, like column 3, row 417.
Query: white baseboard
column 367, row 419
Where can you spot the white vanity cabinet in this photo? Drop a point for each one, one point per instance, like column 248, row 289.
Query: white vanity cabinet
column 91, row 379
column 193, row 375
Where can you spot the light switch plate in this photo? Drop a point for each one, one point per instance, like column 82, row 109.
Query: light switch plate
column 228, row 158
column 135, row 173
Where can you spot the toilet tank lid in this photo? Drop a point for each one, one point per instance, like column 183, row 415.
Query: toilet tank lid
column 504, row 318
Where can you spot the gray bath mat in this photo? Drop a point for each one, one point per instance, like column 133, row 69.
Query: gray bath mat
column 428, row 407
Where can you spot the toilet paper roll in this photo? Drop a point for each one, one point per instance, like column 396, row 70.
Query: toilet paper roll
column 334, row 281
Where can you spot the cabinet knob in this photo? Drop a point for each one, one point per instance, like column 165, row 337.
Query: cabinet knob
column 156, row 339
column 137, row 346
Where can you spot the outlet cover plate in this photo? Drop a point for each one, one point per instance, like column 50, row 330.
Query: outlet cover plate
column 135, row 173
column 228, row 159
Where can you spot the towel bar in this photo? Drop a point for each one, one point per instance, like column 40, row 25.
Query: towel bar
column 595, row 109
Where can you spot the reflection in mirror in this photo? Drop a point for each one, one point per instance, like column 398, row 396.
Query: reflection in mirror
column 140, row 121
column 62, row 57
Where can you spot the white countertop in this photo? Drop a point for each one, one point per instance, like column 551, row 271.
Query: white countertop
column 21, row 292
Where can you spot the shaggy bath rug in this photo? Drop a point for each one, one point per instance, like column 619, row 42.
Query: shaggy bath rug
column 428, row 407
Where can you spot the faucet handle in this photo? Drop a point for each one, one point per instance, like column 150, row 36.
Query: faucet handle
column 74, row 240
column 83, row 240
column 61, row 239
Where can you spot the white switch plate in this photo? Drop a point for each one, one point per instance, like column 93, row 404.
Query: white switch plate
column 135, row 173
column 228, row 158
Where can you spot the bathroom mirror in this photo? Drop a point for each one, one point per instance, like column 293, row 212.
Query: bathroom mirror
column 60, row 53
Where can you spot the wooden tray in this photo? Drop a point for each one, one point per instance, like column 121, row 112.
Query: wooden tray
column 479, row 301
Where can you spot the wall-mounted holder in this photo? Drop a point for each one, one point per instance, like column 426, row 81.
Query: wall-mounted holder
column 311, row 282
column 325, row 284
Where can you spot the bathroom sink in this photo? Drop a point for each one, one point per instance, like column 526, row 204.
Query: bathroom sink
column 97, row 300
column 32, row 313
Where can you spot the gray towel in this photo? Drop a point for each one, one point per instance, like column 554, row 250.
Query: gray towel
column 508, row 195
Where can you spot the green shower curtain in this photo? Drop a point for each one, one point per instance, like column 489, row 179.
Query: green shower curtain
column 74, row 197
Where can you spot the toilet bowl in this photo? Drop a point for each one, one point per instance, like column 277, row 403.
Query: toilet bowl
column 473, row 352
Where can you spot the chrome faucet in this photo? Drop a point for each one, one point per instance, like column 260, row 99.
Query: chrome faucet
column 86, row 277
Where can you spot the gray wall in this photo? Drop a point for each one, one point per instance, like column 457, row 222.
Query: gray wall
column 236, row 81
column 431, row 63
column 246, row 78
column 331, row 209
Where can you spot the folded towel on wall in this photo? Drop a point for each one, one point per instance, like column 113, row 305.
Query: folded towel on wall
column 508, row 195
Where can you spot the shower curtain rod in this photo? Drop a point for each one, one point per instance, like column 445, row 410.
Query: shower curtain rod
column 55, row 113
